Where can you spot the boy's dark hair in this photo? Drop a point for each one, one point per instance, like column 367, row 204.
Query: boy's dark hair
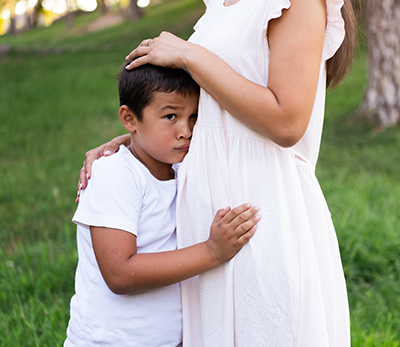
column 137, row 87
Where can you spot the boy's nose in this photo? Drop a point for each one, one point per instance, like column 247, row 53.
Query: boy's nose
column 186, row 130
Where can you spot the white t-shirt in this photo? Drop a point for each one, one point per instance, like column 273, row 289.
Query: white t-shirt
column 123, row 194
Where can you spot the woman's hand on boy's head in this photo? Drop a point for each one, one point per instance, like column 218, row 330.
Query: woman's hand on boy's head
column 231, row 229
column 166, row 50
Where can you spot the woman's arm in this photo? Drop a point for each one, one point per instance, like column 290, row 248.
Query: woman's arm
column 125, row 271
column 283, row 109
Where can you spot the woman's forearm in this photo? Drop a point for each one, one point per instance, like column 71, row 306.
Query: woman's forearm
column 254, row 105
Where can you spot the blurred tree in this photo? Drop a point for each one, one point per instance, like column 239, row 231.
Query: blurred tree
column 381, row 104
column 34, row 15
column 101, row 4
column 70, row 14
column 135, row 12
column 10, row 4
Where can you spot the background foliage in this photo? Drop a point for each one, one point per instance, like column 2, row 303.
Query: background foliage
column 58, row 97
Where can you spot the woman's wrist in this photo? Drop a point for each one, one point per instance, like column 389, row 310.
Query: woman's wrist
column 190, row 55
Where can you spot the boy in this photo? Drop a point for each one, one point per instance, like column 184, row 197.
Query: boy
column 128, row 274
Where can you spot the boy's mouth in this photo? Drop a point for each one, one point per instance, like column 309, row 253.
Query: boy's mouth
column 184, row 147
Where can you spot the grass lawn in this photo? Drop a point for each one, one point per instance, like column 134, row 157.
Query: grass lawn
column 56, row 106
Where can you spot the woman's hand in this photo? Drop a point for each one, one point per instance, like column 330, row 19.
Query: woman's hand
column 231, row 229
column 106, row 149
column 166, row 50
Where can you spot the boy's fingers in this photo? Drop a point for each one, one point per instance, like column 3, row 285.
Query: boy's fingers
column 247, row 236
column 244, row 228
column 244, row 216
column 221, row 213
column 235, row 212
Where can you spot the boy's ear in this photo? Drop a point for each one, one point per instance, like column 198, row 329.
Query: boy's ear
column 128, row 118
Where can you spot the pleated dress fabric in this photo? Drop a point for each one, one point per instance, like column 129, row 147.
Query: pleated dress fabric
column 286, row 287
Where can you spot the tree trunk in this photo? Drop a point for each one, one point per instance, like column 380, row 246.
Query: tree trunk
column 35, row 13
column 13, row 27
column 135, row 12
column 70, row 15
column 381, row 104
column 70, row 19
column 101, row 4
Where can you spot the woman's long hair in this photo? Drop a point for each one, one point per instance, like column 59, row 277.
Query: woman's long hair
column 339, row 65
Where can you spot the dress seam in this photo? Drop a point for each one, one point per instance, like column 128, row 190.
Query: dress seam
column 269, row 143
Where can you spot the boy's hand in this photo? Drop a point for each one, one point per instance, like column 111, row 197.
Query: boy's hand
column 231, row 229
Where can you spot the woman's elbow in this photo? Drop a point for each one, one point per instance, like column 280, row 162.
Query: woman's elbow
column 287, row 136
column 287, row 126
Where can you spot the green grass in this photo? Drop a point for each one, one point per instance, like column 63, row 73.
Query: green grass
column 56, row 106
column 359, row 174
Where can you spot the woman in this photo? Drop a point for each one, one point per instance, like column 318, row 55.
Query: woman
column 263, row 66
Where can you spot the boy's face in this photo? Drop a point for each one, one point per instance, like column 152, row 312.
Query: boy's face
column 163, row 136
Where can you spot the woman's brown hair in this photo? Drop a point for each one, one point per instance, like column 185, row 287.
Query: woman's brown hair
column 339, row 65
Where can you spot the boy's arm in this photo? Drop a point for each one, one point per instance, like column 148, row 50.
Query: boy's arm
column 125, row 271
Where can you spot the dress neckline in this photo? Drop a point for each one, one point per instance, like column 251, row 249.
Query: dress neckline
column 228, row 6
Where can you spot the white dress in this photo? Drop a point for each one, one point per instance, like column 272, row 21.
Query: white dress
column 286, row 286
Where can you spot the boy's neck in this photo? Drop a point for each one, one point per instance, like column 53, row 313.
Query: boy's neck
column 163, row 172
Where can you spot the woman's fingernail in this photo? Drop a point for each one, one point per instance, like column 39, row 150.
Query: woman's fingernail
column 126, row 67
column 127, row 57
column 107, row 152
column 87, row 176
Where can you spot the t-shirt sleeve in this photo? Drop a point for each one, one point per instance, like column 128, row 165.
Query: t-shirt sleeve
column 112, row 198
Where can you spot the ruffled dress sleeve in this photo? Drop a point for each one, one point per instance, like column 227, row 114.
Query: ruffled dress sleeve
column 334, row 32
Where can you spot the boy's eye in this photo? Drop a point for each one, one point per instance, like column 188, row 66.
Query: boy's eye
column 170, row 116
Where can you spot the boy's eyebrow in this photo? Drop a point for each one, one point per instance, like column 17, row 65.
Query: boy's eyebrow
column 173, row 107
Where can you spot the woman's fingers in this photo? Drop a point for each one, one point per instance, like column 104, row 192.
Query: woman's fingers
column 86, row 170
column 166, row 50
column 90, row 157
column 142, row 50
column 82, row 183
column 141, row 58
column 110, row 148
column 146, row 43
